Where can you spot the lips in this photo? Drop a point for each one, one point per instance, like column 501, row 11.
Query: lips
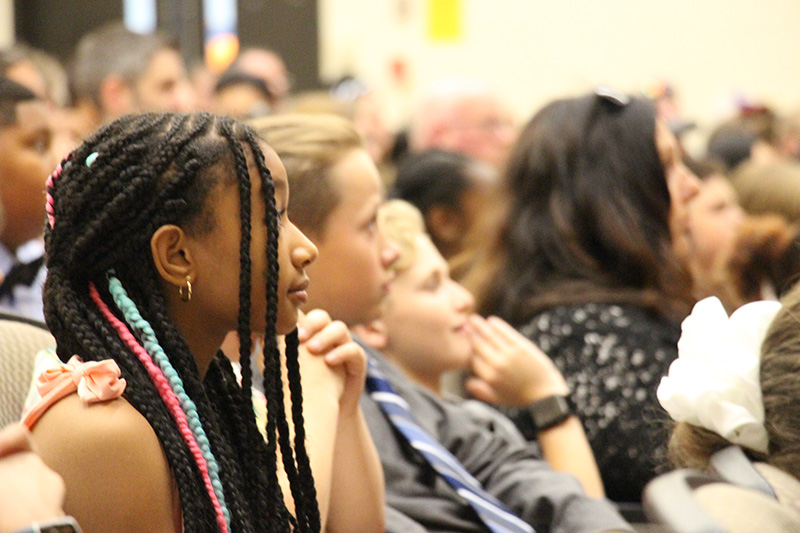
column 464, row 327
column 299, row 292
column 300, row 286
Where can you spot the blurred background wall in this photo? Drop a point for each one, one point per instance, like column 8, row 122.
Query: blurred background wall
column 710, row 51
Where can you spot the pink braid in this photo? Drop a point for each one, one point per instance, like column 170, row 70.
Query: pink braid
column 50, row 205
column 167, row 396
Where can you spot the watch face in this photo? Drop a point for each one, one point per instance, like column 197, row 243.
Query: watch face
column 549, row 412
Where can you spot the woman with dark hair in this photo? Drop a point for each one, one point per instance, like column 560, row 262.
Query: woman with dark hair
column 586, row 267
column 163, row 233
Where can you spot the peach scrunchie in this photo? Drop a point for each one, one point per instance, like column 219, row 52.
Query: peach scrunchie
column 95, row 381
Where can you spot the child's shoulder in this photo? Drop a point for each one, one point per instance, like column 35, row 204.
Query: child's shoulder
column 109, row 457
column 93, row 425
column 109, row 436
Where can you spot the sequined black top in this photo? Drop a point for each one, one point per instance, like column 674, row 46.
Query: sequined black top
column 613, row 357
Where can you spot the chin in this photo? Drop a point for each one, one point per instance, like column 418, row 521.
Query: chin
column 285, row 330
column 454, row 365
column 375, row 313
column 456, row 358
column 461, row 349
column 286, row 325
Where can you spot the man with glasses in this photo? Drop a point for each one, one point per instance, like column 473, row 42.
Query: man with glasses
column 463, row 116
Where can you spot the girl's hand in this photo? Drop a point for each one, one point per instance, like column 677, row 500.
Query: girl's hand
column 508, row 369
column 332, row 339
column 311, row 323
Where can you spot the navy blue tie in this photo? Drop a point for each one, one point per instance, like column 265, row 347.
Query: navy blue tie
column 494, row 514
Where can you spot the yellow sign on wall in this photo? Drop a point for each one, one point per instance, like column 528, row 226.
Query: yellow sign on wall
column 445, row 20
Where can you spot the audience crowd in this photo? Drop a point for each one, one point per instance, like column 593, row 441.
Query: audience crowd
column 271, row 312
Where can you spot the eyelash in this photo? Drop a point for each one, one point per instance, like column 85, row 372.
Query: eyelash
column 280, row 217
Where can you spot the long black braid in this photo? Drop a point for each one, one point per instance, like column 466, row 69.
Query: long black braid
column 148, row 171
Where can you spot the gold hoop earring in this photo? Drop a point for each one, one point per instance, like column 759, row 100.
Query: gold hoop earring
column 185, row 291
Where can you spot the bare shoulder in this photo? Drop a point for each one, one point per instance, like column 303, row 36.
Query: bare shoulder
column 116, row 474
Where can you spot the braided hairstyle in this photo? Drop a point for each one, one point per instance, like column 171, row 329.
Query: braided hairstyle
column 102, row 299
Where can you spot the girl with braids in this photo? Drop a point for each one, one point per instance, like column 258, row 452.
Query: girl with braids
column 163, row 233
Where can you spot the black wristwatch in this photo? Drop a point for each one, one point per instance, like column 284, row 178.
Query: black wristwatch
column 549, row 412
column 62, row 524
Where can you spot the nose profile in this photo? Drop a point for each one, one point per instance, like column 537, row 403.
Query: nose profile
column 691, row 185
column 304, row 252
column 464, row 300
column 389, row 252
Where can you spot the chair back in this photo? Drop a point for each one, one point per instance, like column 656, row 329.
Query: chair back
column 735, row 496
column 20, row 340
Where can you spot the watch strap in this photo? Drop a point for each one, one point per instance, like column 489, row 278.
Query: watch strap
column 62, row 524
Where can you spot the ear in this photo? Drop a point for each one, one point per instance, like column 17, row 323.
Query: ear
column 373, row 333
column 445, row 223
column 116, row 96
column 172, row 256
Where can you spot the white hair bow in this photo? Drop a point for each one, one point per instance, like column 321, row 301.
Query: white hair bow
column 714, row 383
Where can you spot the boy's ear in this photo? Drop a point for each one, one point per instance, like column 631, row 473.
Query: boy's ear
column 374, row 334
column 116, row 96
column 172, row 255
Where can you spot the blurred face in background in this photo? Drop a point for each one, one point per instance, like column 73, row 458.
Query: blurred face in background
column 683, row 186
column 241, row 101
column 268, row 66
column 482, row 129
column 164, row 86
column 26, row 159
column 369, row 121
column 715, row 217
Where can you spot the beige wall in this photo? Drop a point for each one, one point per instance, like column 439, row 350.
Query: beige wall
column 534, row 50
column 6, row 23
